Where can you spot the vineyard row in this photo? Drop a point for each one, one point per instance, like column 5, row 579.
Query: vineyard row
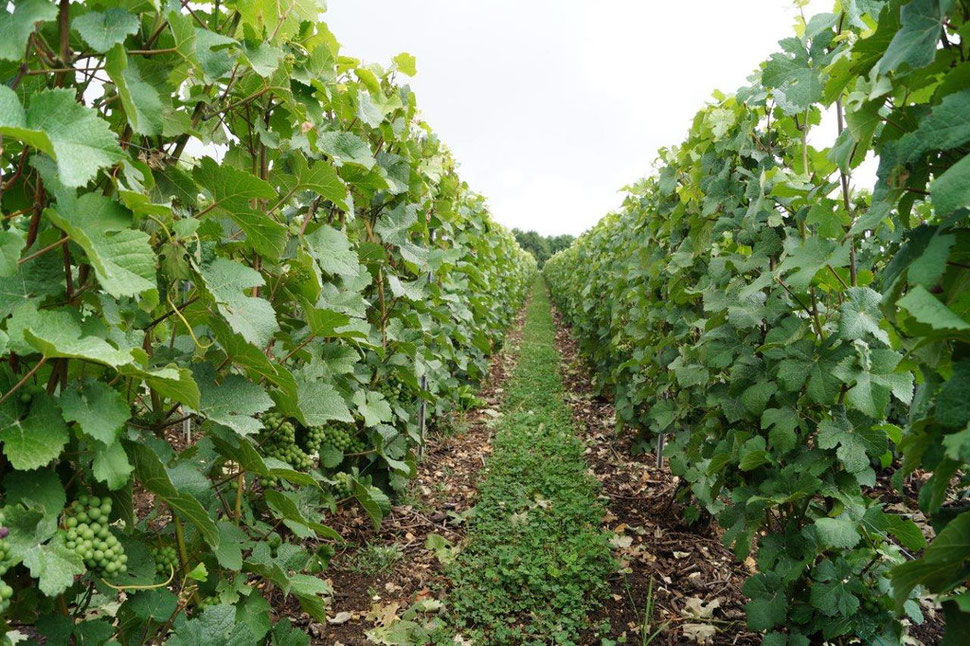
column 803, row 346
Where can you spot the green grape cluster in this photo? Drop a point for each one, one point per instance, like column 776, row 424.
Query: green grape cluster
column 393, row 390
column 6, row 592
column 87, row 534
column 4, row 545
column 269, row 482
column 356, row 445
column 278, row 440
column 344, row 485
column 342, row 437
column 166, row 559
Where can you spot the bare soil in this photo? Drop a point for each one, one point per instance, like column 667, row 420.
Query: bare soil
column 696, row 581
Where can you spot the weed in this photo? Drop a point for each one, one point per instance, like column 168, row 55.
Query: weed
column 373, row 558
column 537, row 560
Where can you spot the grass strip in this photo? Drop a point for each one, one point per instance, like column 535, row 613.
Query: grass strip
column 537, row 559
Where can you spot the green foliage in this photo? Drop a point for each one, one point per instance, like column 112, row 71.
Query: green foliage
column 219, row 238
column 542, row 247
column 537, row 560
column 748, row 304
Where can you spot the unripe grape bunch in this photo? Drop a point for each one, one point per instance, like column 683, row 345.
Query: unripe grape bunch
column 4, row 545
column 342, row 437
column 166, row 559
column 344, row 485
column 278, row 440
column 87, row 534
column 6, row 592
column 394, row 391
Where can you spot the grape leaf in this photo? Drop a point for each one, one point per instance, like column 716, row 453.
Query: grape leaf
column 284, row 504
column 75, row 136
column 928, row 309
column 233, row 402
column 796, row 83
column 406, row 63
column 915, row 43
column 54, row 566
column 953, row 402
column 155, row 478
column 782, row 423
column 153, row 605
column 861, row 316
column 332, row 251
column 57, row 334
column 122, row 256
column 837, row 533
column 768, row 606
column 265, row 235
column 941, row 565
column 231, row 541
column 37, row 439
column 140, row 99
column 809, row 258
column 16, row 27
column 215, row 625
column 251, row 317
column 831, row 591
column 319, row 177
column 943, row 129
column 230, row 187
column 98, row 409
column 11, row 244
column 346, row 148
column 104, row 30
column 111, row 465
column 41, row 488
column 851, row 449
column 373, row 407
column 320, row 403
column 951, row 190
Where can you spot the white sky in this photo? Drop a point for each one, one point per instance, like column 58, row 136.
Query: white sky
column 552, row 106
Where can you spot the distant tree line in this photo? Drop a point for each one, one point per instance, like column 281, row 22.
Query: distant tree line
column 542, row 247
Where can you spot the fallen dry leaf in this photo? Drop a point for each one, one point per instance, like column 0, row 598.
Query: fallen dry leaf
column 383, row 615
column 695, row 607
column 700, row 633
column 340, row 618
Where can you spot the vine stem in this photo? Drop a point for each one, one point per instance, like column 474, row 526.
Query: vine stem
column 812, row 313
column 41, row 252
column 240, row 490
column 844, row 179
column 23, row 380
column 183, row 551
column 302, row 345
column 153, row 586
column 63, row 20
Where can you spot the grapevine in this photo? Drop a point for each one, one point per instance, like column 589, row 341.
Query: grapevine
column 190, row 209
column 779, row 330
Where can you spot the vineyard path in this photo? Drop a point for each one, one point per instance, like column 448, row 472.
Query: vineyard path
column 530, row 517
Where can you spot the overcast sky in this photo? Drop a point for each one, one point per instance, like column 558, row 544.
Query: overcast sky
column 552, row 106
